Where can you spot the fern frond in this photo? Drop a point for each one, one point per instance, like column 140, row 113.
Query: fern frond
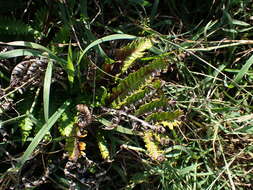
column 26, row 126
column 40, row 18
column 139, row 96
column 152, row 146
column 164, row 116
column 11, row 26
column 135, row 50
column 66, row 124
column 68, row 129
column 132, row 98
column 137, row 80
column 170, row 124
column 151, row 106
column 103, row 146
column 63, row 35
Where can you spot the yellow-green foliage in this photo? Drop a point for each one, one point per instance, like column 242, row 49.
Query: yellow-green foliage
column 69, row 129
column 103, row 146
column 151, row 106
column 152, row 146
column 26, row 126
column 164, row 116
column 136, row 49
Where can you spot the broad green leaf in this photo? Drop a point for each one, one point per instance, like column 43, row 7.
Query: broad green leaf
column 106, row 39
column 46, row 89
column 42, row 132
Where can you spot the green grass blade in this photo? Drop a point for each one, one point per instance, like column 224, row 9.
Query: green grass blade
column 46, row 89
column 28, row 45
column 70, row 66
column 42, row 132
column 106, row 39
column 30, row 52
column 243, row 70
column 19, row 52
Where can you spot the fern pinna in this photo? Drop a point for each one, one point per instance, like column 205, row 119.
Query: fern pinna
column 139, row 97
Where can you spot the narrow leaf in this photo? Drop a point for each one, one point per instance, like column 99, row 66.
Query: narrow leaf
column 244, row 70
column 28, row 45
column 106, row 39
column 42, row 132
column 46, row 89
column 70, row 66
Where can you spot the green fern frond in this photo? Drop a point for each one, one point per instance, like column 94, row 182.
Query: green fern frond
column 135, row 50
column 132, row 98
column 11, row 26
column 152, row 146
column 136, row 80
column 40, row 18
column 164, row 116
column 103, row 146
column 26, row 126
column 151, row 106
column 66, row 124
column 170, row 124
column 68, row 129
column 63, row 35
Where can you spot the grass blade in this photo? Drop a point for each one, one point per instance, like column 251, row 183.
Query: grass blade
column 243, row 70
column 28, row 45
column 46, row 89
column 19, row 52
column 106, row 39
column 30, row 52
column 42, row 132
column 70, row 67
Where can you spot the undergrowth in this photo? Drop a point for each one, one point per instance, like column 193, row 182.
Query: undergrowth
column 126, row 95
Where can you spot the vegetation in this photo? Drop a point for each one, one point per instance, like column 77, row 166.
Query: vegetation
column 126, row 94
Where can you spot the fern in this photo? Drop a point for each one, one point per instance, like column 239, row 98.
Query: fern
column 103, row 146
column 157, row 103
column 40, row 18
column 11, row 26
column 164, row 116
column 69, row 130
column 136, row 80
column 62, row 36
column 152, row 146
column 133, row 51
column 26, row 126
column 135, row 97
column 140, row 89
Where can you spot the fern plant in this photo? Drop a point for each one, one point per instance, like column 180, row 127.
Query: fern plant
column 13, row 27
column 140, row 98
